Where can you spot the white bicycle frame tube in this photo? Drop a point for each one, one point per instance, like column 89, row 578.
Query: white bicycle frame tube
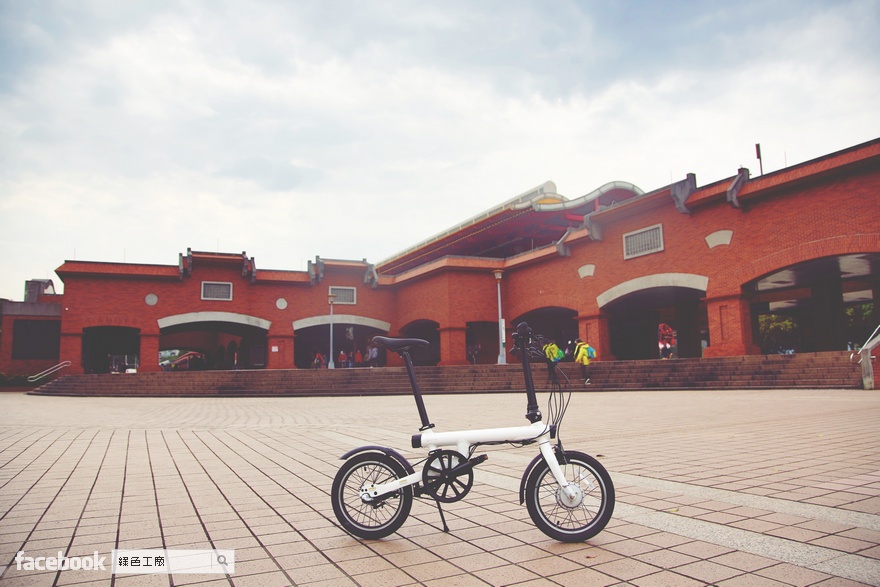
column 463, row 439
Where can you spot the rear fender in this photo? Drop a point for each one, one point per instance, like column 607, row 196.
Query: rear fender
column 389, row 452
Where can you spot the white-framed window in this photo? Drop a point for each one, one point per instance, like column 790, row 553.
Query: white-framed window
column 217, row 290
column 344, row 295
column 643, row 242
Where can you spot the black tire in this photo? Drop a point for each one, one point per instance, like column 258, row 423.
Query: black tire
column 571, row 520
column 373, row 519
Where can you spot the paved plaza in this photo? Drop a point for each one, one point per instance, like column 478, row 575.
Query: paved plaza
column 724, row 488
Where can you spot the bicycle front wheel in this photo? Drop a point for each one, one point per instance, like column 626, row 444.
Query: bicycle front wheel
column 561, row 516
column 376, row 518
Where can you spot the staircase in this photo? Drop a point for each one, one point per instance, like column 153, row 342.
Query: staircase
column 830, row 370
column 826, row 370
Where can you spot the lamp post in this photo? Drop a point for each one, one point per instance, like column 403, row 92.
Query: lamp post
column 330, row 364
column 502, row 356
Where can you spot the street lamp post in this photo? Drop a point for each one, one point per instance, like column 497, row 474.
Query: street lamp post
column 502, row 356
column 330, row 364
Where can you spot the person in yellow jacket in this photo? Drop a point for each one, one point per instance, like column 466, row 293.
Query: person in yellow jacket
column 552, row 355
column 583, row 353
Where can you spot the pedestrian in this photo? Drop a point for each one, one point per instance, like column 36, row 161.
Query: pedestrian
column 552, row 354
column 374, row 356
column 583, row 353
column 358, row 358
column 343, row 360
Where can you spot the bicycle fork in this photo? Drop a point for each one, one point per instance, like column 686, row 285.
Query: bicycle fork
column 571, row 490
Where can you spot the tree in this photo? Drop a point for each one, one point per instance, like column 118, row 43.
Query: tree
column 860, row 322
column 778, row 333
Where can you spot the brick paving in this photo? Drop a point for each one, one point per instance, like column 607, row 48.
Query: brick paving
column 724, row 488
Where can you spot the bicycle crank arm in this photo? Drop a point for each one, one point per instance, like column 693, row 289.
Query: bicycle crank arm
column 467, row 466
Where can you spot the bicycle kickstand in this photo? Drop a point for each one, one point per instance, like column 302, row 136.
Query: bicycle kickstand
column 442, row 517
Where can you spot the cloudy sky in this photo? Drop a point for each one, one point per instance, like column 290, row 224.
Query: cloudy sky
column 291, row 129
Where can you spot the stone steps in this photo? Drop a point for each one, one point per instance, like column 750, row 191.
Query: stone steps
column 830, row 370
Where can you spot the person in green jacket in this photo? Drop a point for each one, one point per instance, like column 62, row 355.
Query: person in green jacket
column 552, row 355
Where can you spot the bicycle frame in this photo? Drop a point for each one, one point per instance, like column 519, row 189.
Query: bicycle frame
column 464, row 439
column 569, row 494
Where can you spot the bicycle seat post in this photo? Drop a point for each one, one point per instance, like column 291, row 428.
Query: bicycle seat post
column 401, row 346
column 417, row 392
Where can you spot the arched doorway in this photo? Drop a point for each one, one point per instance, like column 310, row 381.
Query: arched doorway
column 351, row 333
column 110, row 349
column 426, row 330
column 213, row 340
column 638, row 310
column 819, row 305
column 559, row 324
column 481, row 339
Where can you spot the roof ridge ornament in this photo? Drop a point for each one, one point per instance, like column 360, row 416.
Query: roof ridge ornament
column 371, row 276
column 741, row 179
column 316, row 270
column 682, row 190
column 562, row 249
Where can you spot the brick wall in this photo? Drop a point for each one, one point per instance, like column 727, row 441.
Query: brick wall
column 809, row 217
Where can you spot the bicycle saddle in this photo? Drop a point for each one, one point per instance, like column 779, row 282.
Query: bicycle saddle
column 399, row 344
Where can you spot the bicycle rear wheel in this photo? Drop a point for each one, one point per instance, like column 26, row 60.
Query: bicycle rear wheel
column 376, row 518
column 565, row 518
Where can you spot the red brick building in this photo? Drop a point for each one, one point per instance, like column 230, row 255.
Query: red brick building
column 609, row 267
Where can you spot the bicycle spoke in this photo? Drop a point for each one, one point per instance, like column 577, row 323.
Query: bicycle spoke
column 570, row 518
column 376, row 517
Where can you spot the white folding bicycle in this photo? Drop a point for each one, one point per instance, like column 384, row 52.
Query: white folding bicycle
column 569, row 495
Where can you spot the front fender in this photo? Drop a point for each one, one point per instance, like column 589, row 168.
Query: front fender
column 389, row 452
column 526, row 473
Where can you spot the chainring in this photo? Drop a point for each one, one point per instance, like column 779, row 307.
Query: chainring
column 438, row 478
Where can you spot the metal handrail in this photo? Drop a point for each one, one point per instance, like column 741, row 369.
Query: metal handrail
column 48, row 371
column 866, row 358
column 872, row 342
